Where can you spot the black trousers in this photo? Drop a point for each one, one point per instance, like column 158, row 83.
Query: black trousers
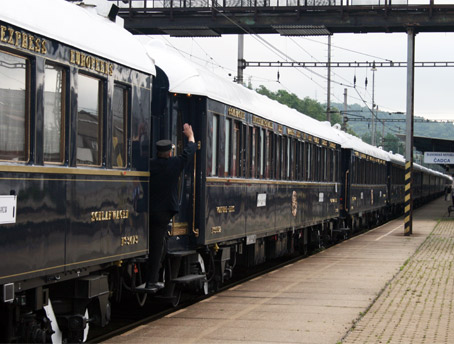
column 158, row 228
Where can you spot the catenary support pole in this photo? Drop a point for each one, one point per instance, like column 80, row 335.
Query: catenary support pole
column 240, row 68
column 328, row 100
column 408, row 226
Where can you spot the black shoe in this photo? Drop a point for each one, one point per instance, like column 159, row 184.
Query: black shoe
column 155, row 285
column 150, row 288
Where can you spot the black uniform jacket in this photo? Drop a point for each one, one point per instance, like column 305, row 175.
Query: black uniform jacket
column 164, row 175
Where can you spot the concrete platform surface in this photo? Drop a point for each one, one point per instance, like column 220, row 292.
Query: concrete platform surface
column 379, row 287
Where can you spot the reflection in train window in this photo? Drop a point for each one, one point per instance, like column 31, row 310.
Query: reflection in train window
column 13, row 108
column 88, row 121
column 228, row 123
column 309, row 161
column 119, row 128
column 262, row 153
column 214, row 146
column 54, row 125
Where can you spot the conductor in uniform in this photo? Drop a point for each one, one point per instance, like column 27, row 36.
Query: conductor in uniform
column 164, row 174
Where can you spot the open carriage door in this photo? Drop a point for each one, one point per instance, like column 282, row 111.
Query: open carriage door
column 185, row 110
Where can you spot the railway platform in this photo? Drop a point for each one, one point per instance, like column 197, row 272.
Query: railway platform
column 378, row 287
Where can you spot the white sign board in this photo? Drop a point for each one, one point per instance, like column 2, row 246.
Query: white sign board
column 446, row 158
column 261, row 200
column 8, row 206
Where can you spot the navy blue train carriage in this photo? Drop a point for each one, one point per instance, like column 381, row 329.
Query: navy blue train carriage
column 267, row 181
column 364, row 196
column 75, row 98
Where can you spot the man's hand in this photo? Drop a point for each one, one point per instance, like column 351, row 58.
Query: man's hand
column 187, row 130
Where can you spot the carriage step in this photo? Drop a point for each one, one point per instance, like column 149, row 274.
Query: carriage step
column 341, row 230
column 189, row 278
column 182, row 253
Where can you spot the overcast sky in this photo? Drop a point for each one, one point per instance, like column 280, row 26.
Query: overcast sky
column 433, row 86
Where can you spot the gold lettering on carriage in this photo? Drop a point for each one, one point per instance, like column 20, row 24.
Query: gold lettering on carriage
column 21, row 39
column 108, row 215
column 81, row 59
column 225, row 209
column 129, row 240
column 262, row 122
column 236, row 113
column 216, row 230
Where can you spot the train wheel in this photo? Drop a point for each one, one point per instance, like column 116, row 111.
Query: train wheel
column 57, row 335
column 175, row 300
column 201, row 264
column 87, row 327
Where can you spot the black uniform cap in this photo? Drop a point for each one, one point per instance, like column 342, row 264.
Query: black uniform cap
column 164, row 145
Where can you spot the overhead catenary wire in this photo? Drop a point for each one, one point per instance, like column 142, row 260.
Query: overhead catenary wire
column 284, row 56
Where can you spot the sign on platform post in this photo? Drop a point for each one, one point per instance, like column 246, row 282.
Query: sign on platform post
column 445, row 158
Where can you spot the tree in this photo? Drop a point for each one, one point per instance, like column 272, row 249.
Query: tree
column 307, row 106
column 392, row 143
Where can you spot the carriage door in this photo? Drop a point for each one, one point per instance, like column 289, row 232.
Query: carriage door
column 185, row 110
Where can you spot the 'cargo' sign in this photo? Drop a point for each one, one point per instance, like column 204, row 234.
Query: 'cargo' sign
column 446, row 158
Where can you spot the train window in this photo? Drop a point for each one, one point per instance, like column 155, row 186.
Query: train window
column 54, row 124
column 316, row 165
column 324, row 164
column 293, row 159
column 119, row 129
column 228, row 124
column 308, row 161
column 262, row 153
column 256, row 152
column 330, row 172
column 287, row 156
column 250, row 153
column 13, row 108
column 236, row 149
column 283, row 157
column 363, row 172
column 270, row 156
column 303, row 161
column 214, row 146
column 278, row 157
column 88, row 121
column 300, row 160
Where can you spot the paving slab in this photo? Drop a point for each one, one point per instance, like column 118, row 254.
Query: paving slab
column 378, row 287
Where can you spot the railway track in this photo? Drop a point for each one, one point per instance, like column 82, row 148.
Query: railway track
column 153, row 309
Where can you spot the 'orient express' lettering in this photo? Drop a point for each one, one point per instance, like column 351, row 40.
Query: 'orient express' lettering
column 23, row 40
column 86, row 61
column 107, row 215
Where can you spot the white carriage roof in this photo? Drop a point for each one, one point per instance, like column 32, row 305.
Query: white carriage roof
column 352, row 142
column 397, row 158
column 79, row 27
column 186, row 77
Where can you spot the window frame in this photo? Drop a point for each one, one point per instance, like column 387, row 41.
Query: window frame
column 126, row 116
column 63, row 114
column 27, row 124
column 101, row 106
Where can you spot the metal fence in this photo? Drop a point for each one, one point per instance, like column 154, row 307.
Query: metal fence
column 271, row 3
